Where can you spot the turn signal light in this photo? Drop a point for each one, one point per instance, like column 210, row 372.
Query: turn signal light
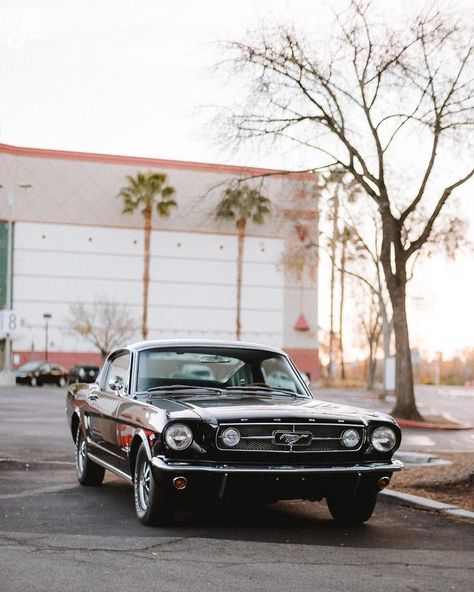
column 383, row 482
column 180, row 482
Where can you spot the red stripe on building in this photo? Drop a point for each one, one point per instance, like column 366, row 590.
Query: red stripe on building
column 153, row 162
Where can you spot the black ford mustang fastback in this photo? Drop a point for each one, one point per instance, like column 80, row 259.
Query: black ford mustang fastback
column 189, row 421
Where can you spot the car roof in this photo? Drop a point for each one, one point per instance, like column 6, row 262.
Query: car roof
column 150, row 344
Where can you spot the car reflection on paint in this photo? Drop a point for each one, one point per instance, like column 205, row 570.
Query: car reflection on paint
column 225, row 421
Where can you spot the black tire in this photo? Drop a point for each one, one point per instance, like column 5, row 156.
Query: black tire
column 352, row 510
column 62, row 381
column 88, row 472
column 153, row 505
column 34, row 381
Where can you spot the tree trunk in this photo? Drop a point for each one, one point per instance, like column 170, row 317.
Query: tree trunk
column 240, row 262
column 371, row 369
column 374, row 341
column 386, row 329
column 341, row 307
column 335, row 214
column 146, row 268
column 405, row 407
column 394, row 261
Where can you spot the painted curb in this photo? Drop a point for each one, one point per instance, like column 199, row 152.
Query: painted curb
column 423, row 503
column 423, row 425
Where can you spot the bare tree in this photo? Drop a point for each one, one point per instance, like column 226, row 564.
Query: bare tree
column 338, row 189
column 369, row 327
column 106, row 324
column 358, row 103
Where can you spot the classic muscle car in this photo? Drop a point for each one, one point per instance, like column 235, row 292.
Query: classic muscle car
column 245, row 427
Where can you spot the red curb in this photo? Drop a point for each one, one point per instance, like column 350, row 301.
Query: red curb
column 424, row 425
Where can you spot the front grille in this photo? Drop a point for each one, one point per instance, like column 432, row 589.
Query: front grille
column 265, row 437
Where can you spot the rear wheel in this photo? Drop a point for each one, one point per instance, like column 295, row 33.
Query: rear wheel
column 61, row 381
column 352, row 510
column 88, row 472
column 153, row 505
column 33, row 381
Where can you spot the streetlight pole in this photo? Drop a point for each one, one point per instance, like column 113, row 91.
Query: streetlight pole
column 46, row 316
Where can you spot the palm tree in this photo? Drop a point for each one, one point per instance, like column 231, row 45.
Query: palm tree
column 242, row 203
column 147, row 191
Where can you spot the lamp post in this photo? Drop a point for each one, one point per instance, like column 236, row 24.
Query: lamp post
column 46, row 316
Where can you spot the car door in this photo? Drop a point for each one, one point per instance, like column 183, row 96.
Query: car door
column 44, row 373
column 56, row 373
column 104, row 401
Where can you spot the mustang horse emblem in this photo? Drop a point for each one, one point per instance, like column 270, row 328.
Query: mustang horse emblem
column 291, row 438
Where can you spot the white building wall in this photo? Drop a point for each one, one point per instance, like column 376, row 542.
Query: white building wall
column 192, row 282
column 72, row 243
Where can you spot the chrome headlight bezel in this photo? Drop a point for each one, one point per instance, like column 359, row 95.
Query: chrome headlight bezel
column 178, row 436
column 346, row 436
column 229, row 431
column 383, row 434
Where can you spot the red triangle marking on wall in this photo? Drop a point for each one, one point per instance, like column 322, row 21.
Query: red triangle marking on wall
column 301, row 324
column 301, row 231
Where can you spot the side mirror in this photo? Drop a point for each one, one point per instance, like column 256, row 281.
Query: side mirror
column 117, row 384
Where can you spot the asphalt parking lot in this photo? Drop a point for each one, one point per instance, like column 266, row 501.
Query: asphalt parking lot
column 57, row 535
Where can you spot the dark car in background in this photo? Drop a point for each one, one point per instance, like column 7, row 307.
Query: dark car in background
column 39, row 373
column 83, row 373
column 185, row 421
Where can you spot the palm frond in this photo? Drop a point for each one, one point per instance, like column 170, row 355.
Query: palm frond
column 243, row 202
column 147, row 189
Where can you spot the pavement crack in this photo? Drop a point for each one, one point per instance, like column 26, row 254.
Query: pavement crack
column 36, row 545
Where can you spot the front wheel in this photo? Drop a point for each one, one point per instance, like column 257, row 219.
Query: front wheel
column 352, row 510
column 62, row 381
column 154, row 506
column 88, row 472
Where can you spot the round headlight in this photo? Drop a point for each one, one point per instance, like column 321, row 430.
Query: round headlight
column 179, row 436
column 350, row 438
column 230, row 437
column 383, row 439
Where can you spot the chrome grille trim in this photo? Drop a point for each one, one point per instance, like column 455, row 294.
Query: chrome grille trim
column 290, row 426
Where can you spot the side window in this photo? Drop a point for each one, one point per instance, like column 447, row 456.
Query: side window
column 118, row 373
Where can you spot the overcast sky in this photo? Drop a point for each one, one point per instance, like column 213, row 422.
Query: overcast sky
column 133, row 77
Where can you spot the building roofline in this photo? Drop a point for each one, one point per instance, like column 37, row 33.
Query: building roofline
column 152, row 162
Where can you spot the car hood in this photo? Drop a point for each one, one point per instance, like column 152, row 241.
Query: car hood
column 236, row 407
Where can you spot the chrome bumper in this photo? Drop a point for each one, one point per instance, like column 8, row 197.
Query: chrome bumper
column 376, row 467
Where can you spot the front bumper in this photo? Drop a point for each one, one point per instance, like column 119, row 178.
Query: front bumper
column 177, row 466
column 268, row 482
column 23, row 379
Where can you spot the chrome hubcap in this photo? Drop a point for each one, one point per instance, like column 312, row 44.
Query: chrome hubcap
column 143, row 485
column 81, row 456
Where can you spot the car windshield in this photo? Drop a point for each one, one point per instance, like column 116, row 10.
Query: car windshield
column 29, row 366
column 226, row 368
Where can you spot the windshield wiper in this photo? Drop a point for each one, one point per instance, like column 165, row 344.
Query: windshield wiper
column 184, row 387
column 267, row 389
